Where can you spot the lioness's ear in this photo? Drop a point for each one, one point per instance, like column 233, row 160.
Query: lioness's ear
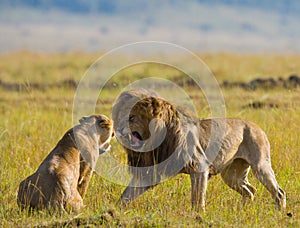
column 90, row 120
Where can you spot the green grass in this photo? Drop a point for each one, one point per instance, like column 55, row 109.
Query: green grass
column 32, row 121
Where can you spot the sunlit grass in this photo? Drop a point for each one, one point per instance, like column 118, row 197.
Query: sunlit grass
column 32, row 121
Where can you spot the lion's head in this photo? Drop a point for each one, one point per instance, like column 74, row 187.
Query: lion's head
column 123, row 105
column 142, row 123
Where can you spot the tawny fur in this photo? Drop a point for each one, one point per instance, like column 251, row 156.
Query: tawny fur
column 62, row 179
column 243, row 145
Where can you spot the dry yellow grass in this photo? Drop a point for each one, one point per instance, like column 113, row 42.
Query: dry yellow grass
column 33, row 120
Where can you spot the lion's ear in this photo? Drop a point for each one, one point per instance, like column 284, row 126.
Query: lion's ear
column 90, row 120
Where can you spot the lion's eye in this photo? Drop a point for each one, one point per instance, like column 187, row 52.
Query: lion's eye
column 101, row 121
column 131, row 119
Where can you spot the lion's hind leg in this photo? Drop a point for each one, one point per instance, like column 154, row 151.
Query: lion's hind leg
column 236, row 177
column 265, row 174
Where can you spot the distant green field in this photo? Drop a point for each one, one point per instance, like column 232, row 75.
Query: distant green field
column 36, row 100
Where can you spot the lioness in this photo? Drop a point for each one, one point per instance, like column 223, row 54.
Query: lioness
column 62, row 179
column 242, row 145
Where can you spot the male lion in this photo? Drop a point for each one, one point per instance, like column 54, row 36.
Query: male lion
column 62, row 179
column 200, row 148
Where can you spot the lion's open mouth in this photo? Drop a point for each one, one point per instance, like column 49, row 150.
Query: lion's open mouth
column 136, row 140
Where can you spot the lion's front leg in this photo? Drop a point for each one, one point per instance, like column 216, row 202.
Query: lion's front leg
column 83, row 184
column 199, row 185
column 133, row 191
column 85, row 176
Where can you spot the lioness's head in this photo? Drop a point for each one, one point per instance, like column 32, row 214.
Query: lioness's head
column 100, row 125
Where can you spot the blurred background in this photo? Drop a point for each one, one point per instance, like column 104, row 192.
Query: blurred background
column 251, row 26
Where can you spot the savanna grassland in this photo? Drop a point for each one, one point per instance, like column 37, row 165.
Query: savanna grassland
column 36, row 101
